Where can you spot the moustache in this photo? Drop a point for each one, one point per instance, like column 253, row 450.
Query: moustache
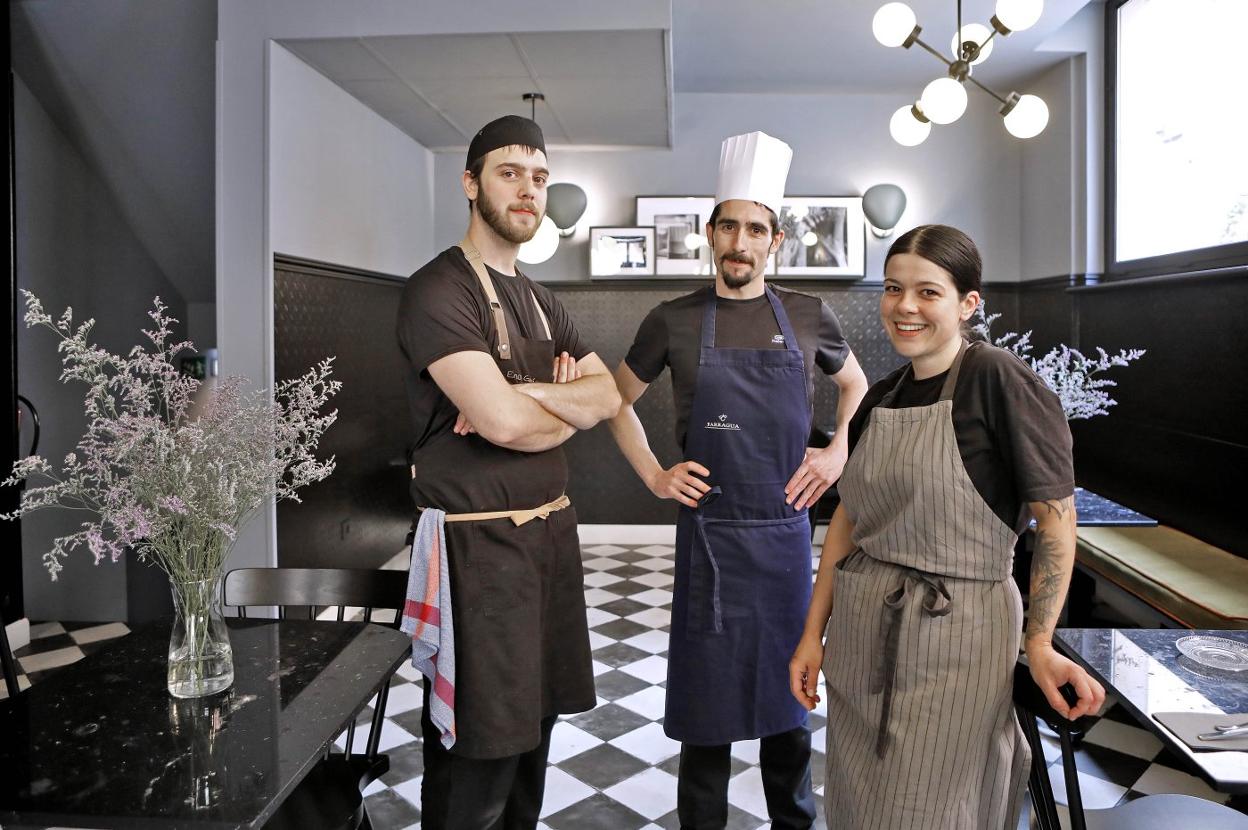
column 523, row 206
column 738, row 258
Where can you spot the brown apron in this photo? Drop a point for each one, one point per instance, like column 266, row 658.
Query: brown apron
column 517, row 591
column 923, row 638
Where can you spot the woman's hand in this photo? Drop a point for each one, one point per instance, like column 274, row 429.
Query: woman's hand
column 804, row 671
column 1051, row 671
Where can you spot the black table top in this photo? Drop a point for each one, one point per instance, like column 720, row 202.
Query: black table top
column 102, row 744
column 1094, row 510
column 1147, row 672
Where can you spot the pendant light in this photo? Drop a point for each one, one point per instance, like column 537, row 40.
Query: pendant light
column 565, row 205
column 944, row 100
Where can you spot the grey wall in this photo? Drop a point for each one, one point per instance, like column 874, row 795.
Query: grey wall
column 345, row 185
column 73, row 249
column 965, row 175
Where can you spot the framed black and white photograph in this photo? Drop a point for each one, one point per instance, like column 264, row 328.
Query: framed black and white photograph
column 622, row 253
column 824, row 236
column 679, row 232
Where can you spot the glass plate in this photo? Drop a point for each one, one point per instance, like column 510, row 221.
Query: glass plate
column 1214, row 652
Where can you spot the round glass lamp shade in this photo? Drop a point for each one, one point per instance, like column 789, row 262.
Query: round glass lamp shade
column 565, row 204
column 907, row 130
column 883, row 204
column 943, row 101
column 1028, row 118
column 893, row 23
column 543, row 244
column 976, row 33
column 1017, row 15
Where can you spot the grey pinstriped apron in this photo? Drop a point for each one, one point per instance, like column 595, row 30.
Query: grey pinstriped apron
column 923, row 638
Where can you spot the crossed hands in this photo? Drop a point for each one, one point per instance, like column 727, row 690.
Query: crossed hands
column 565, row 371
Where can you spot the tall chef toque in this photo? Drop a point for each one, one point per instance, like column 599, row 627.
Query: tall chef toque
column 753, row 166
column 505, row 132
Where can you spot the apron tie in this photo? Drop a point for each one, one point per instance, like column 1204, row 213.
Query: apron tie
column 518, row 517
column 717, row 617
column 936, row 603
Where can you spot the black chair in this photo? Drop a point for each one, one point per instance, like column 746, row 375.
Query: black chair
column 331, row 795
column 1153, row 812
column 7, row 663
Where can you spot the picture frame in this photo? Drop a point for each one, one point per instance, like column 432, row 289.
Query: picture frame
column 825, row 236
column 621, row 252
column 674, row 218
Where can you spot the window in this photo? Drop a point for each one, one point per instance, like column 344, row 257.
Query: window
column 1178, row 127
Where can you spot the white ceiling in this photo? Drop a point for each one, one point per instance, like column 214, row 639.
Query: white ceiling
column 602, row 88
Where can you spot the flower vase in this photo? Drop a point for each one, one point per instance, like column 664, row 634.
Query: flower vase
column 201, row 661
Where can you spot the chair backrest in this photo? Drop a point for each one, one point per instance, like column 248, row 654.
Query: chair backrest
column 315, row 587
column 368, row 590
column 1029, row 704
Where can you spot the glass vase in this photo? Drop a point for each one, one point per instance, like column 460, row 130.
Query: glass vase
column 201, row 661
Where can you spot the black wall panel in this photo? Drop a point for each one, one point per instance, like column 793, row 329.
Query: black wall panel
column 360, row 514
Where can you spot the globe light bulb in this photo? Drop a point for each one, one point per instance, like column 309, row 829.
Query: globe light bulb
column 893, row 23
column 907, row 130
column 694, row 241
column 943, row 100
column 1017, row 15
column 809, row 238
column 1028, row 118
column 976, row 33
column 543, row 244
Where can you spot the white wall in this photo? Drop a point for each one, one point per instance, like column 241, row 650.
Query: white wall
column 966, row 174
column 74, row 248
column 1063, row 178
column 345, row 185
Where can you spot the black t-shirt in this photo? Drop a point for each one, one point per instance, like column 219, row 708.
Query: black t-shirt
column 1012, row 433
column 444, row 310
column 671, row 335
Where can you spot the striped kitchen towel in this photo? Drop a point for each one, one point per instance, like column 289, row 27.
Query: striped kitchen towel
column 427, row 618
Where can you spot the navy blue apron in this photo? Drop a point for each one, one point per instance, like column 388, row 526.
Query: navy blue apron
column 743, row 559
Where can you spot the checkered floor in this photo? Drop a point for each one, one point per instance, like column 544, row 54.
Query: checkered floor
column 613, row 768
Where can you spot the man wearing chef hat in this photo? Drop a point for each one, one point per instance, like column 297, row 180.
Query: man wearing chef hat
column 742, row 355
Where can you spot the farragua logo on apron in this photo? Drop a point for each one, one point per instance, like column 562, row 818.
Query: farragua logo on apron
column 722, row 422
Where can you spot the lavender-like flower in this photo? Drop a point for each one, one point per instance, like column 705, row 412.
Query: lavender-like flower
column 172, row 485
column 1066, row 371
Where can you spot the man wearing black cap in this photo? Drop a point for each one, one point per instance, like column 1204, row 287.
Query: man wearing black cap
column 497, row 379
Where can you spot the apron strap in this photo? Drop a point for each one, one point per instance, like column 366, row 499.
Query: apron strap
column 541, row 315
column 951, row 379
column 717, row 614
column 496, row 309
column 936, row 603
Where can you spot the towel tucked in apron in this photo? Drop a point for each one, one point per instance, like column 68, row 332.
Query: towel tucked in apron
column 924, row 634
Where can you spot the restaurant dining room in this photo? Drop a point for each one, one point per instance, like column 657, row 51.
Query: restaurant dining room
column 665, row 415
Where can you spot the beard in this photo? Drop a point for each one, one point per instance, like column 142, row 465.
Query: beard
column 733, row 281
column 499, row 220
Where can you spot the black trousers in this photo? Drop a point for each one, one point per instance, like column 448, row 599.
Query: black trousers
column 702, row 791
column 460, row 793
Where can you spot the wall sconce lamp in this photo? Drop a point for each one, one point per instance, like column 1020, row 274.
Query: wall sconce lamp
column 883, row 205
column 565, row 205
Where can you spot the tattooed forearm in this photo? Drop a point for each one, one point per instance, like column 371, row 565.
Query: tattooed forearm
column 1051, row 563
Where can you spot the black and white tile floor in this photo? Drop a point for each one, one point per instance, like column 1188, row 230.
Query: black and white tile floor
column 613, row 768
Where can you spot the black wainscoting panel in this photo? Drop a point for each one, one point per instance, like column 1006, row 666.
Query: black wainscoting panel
column 1176, row 445
column 603, row 486
column 1046, row 310
column 360, row 514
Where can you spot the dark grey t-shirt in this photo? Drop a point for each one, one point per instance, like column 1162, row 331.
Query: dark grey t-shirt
column 671, row 335
column 1012, row 433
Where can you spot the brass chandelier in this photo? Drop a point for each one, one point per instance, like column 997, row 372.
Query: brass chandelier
column 944, row 100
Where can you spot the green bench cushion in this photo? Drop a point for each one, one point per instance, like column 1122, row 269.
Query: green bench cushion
column 1197, row 584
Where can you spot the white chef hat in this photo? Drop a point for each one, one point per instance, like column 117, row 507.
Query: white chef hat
column 753, row 166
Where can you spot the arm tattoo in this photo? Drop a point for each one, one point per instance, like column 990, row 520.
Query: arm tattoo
column 1059, row 506
column 1048, row 582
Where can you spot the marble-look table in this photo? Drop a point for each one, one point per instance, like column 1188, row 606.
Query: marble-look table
column 1094, row 510
column 1146, row 671
column 102, row 744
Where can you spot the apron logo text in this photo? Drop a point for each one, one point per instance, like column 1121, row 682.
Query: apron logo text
column 722, row 423
column 519, row 377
